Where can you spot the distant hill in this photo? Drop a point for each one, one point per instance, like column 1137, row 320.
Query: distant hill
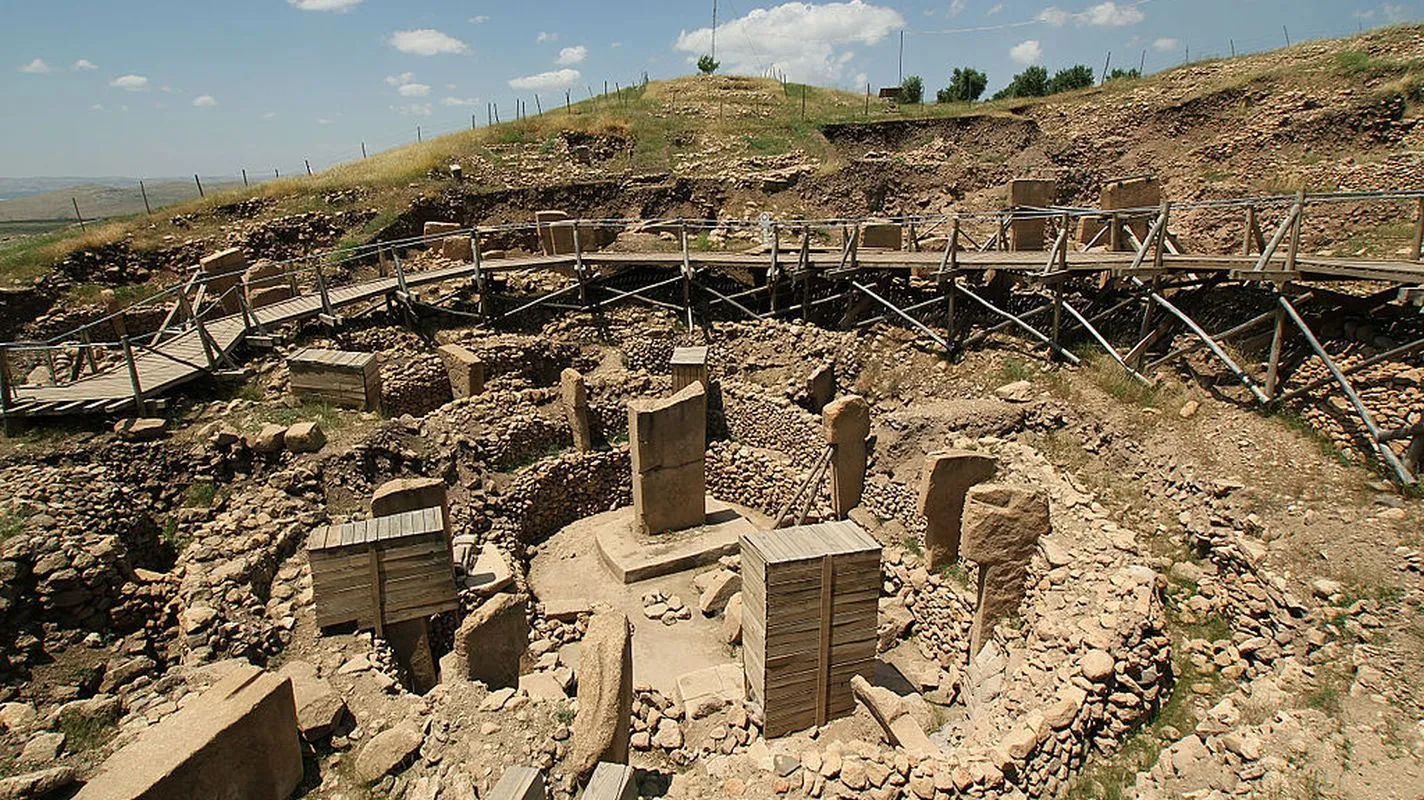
column 54, row 198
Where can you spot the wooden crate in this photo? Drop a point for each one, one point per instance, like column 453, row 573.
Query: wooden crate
column 384, row 570
column 809, row 621
column 688, row 364
column 336, row 376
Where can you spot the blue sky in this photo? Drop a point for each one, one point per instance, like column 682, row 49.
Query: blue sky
column 173, row 87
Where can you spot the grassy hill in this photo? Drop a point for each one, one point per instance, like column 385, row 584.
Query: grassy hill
column 1304, row 115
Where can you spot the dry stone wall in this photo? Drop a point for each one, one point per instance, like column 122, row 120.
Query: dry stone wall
column 557, row 491
column 757, row 418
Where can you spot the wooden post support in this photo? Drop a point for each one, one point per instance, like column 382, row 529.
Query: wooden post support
column 686, row 271
column 1161, row 244
column 579, row 268
column 326, row 296
column 1057, row 321
column 1115, row 233
column 805, row 271
column 1251, row 227
column 481, row 283
column 1298, row 219
column 1277, row 339
column 773, row 274
column 186, row 308
column 133, row 375
column 1419, row 231
column 950, row 285
column 854, row 245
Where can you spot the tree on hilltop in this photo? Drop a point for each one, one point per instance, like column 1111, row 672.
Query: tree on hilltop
column 1078, row 76
column 1032, row 82
column 706, row 65
column 965, row 86
column 912, row 90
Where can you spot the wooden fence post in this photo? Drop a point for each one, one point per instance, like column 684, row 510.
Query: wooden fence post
column 133, row 375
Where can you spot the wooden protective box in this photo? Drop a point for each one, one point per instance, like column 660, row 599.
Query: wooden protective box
column 384, row 570
column 809, row 621
column 336, row 376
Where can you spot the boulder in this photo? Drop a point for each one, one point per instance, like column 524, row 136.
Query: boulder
column 267, row 440
column 38, row 785
column 732, row 620
column 305, row 437
column 143, row 429
column 889, row 711
column 387, row 752
column 721, row 586
column 1016, row 392
column 319, row 706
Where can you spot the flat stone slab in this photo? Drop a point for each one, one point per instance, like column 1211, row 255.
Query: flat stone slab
column 633, row 556
column 715, row 686
column 490, row 573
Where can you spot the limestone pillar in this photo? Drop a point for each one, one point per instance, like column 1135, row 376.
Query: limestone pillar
column 1001, row 526
column 410, row 494
column 946, row 478
column 411, row 639
column 603, row 725
column 575, row 400
column 1028, row 234
column 847, row 426
column 821, row 387
column 465, row 369
column 668, row 443
column 490, row 643
column 223, row 272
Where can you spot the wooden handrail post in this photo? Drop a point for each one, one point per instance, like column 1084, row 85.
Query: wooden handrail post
column 805, row 273
column 686, row 271
column 1419, row 231
column 1250, row 231
column 481, row 308
column 326, row 297
column 1298, row 219
column 133, row 375
column 578, row 266
column 773, row 274
column 202, row 330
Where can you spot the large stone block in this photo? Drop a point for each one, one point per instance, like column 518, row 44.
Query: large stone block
column 409, row 494
column 458, row 248
column 465, row 369
column 490, row 643
column 410, row 639
column 668, row 441
column 556, row 232
column 223, row 271
column 574, row 394
column 603, row 725
column 1028, row 234
column 440, row 228
column 847, row 426
column 946, row 478
column 884, row 235
column 237, row 741
column 1003, row 522
column 1001, row 526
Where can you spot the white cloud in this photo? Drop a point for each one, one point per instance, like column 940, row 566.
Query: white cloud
column 413, row 109
column 1166, row 44
column 36, row 67
column 479, row 20
column 994, row 9
column 544, row 81
column 426, row 42
column 97, row 107
column 339, row 6
column 325, row 121
column 83, row 64
column 1103, row 15
column 414, row 90
column 204, row 101
column 616, row 45
column 1390, row 12
column 807, row 41
column 544, row 36
column 459, row 101
column 956, row 7
column 572, row 55
column 1026, row 53
column 131, row 83
column 270, row 115
column 397, row 80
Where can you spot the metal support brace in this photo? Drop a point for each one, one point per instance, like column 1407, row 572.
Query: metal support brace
column 481, row 282
column 580, row 270
column 805, row 271
column 1032, row 331
column 1236, row 370
column 773, row 273
column 894, row 309
column 1382, row 448
column 1103, row 342
column 686, row 272
column 1287, row 225
column 1273, row 366
column 326, row 296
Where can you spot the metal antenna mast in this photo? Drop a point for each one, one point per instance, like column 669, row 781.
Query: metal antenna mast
column 714, row 30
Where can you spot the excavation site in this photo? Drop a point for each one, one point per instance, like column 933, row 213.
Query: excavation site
column 1055, row 449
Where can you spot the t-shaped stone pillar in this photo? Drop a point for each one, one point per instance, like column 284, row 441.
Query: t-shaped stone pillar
column 668, row 442
column 847, row 424
column 574, row 394
column 410, row 639
column 1001, row 527
column 946, row 478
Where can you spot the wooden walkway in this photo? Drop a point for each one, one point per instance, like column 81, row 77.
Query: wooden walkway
column 183, row 357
